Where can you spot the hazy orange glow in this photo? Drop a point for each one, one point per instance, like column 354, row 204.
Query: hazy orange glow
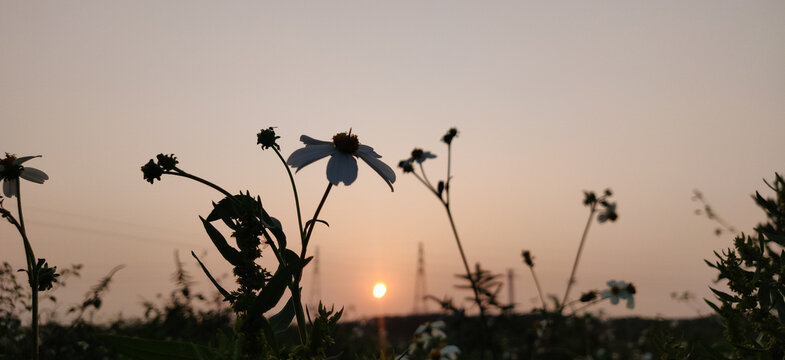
column 379, row 290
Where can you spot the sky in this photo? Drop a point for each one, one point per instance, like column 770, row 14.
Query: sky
column 650, row 99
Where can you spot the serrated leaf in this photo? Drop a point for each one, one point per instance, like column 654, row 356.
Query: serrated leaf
column 221, row 290
column 229, row 253
column 144, row 349
column 723, row 296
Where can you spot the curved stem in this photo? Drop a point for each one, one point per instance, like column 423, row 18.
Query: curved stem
column 32, row 270
column 575, row 311
column 312, row 223
column 468, row 272
column 294, row 189
column 447, row 180
column 422, row 169
column 200, row 180
column 427, row 185
column 577, row 258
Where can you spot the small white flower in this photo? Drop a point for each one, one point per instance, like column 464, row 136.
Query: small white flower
column 342, row 166
column 619, row 290
column 449, row 352
column 11, row 170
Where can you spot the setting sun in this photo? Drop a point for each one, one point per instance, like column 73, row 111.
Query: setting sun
column 379, row 290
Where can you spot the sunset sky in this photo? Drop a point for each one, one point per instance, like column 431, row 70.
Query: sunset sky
column 651, row 99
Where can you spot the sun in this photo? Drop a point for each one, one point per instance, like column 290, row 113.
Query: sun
column 379, row 290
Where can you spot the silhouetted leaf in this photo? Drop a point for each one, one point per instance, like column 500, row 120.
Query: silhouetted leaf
column 229, row 253
column 221, row 290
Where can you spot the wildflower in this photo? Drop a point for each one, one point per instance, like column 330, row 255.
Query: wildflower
column 11, row 170
column 419, row 155
column 342, row 166
column 589, row 198
column 619, row 290
column 152, row 171
column 609, row 213
column 406, row 165
column 167, row 162
column 447, row 138
column 527, row 258
column 445, row 352
column 266, row 138
column 428, row 332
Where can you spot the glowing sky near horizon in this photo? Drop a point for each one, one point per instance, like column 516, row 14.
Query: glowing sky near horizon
column 650, row 99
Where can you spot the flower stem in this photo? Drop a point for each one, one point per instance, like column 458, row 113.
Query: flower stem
column 294, row 189
column 575, row 311
column 577, row 258
column 32, row 270
column 422, row 169
column 200, row 180
column 312, row 223
column 539, row 289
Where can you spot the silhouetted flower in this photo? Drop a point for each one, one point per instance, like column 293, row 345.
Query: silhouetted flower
column 527, row 258
column 609, row 213
column 588, row 296
column 167, row 162
column 447, row 138
column 406, row 165
column 428, row 332
column 619, row 290
column 589, row 198
column 419, row 155
column 11, row 170
column 267, row 137
column 152, row 171
column 342, row 166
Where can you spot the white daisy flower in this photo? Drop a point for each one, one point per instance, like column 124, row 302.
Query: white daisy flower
column 449, row 352
column 11, row 170
column 342, row 166
column 619, row 290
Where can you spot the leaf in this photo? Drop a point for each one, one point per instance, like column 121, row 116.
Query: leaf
column 280, row 321
column 229, row 253
column 275, row 227
column 144, row 349
column 273, row 291
column 221, row 290
column 716, row 309
column 723, row 296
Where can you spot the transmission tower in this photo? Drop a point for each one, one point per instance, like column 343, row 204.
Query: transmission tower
column 420, row 305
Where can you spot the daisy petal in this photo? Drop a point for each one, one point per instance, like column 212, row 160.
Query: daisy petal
column 11, row 188
column 307, row 140
column 34, row 175
column 302, row 157
column 377, row 165
column 614, row 300
column 24, row 158
column 630, row 302
column 342, row 167
column 369, row 150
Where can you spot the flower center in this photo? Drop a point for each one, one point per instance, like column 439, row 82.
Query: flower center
column 346, row 142
column 417, row 153
column 615, row 290
column 10, row 171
